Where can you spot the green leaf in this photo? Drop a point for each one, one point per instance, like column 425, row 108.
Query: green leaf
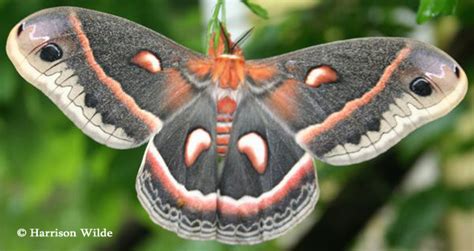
column 417, row 216
column 426, row 137
column 432, row 8
column 100, row 162
column 9, row 83
column 256, row 9
column 57, row 161
column 3, row 164
column 462, row 197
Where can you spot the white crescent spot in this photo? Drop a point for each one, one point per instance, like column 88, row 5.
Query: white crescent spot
column 320, row 75
column 255, row 147
column 147, row 61
column 198, row 141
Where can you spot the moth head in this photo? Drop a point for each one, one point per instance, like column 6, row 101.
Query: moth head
column 432, row 78
column 41, row 41
column 225, row 46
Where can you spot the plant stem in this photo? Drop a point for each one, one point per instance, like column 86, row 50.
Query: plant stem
column 213, row 26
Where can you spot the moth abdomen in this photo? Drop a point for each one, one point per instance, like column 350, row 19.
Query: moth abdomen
column 226, row 107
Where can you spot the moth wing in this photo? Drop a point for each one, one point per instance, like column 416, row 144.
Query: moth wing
column 268, row 183
column 349, row 101
column 116, row 80
column 185, row 190
column 177, row 181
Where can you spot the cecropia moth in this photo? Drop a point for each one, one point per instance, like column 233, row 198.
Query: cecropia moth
column 231, row 141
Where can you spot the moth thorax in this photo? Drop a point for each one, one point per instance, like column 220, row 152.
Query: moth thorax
column 226, row 106
column 228, row 71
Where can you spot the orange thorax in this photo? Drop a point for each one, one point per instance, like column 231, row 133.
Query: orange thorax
column 228, row 71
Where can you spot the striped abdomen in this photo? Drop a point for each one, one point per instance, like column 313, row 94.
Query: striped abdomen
column 225, row 114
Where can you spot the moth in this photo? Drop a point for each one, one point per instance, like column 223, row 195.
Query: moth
column 231, row 141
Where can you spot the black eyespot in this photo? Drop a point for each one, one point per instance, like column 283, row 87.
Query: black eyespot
column 354, row 138
column 90, row 100
column 421, row 87
column 107, row 118
column 373, row 125
column 20, row 29
column 457, row 71
column 51, row 52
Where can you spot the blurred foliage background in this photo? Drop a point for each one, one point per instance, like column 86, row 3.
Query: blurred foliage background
column 417, row 196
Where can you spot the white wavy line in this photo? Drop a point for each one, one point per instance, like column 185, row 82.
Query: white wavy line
column 265, row 228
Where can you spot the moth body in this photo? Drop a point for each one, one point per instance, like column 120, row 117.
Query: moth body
column 231, row 141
